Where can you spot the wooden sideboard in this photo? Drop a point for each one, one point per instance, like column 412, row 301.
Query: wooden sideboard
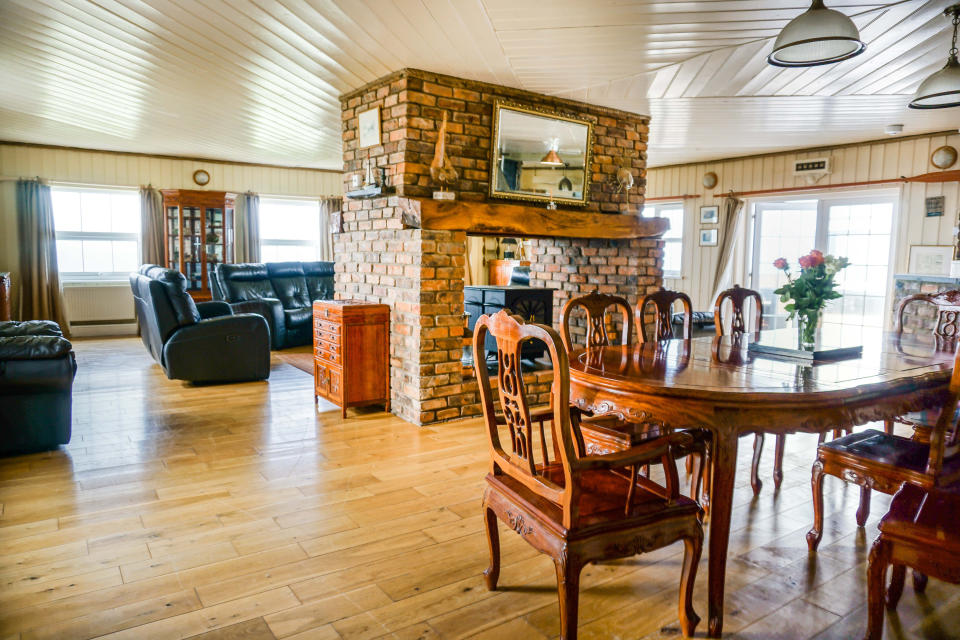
column 500, row 270
column 351, row 353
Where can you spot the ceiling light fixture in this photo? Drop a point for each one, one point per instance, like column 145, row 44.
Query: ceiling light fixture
column 817, row 36
column 942, row 89
column 553, row 158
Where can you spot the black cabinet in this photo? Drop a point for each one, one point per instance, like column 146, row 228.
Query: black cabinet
column 533, row 304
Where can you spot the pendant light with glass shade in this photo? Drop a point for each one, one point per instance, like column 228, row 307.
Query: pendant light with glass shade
column 817, row 36
column 942, row 89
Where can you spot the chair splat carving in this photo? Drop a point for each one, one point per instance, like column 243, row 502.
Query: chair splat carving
column 662, row 302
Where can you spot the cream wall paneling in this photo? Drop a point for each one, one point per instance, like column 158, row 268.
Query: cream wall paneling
column 880, row 160
column 100, row 168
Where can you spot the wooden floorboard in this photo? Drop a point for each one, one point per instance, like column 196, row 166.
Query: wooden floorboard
column 245, row 512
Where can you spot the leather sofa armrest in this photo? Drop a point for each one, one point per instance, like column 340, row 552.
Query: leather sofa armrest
column 214, row 309
column 227, row 348
column 272, row 310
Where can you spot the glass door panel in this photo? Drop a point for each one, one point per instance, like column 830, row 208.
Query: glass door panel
column 856, row 228
column 783, row 230
column 859, row 230
column 173, row 238
column 193, row 247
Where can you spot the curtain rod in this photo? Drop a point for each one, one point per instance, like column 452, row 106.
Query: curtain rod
column 662, row 198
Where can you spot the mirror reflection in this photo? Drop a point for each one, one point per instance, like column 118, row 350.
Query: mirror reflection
column 539, row 155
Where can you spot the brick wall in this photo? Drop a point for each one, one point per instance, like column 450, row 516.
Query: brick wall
column 412, row 103
column 419, row 273
column 572, row 267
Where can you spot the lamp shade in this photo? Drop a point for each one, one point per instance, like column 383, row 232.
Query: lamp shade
column 817, row 36
column 940, row 90
column 551, row 158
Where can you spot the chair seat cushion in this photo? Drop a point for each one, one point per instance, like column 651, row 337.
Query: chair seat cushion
column 297, row 317
column 601, row 501
column 880, row 448
column 927, row 517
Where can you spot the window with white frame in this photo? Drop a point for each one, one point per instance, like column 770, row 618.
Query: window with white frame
column 673, row 238
column 98, row 232
column 289, row 229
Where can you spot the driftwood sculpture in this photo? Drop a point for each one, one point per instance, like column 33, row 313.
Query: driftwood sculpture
column 441, row 169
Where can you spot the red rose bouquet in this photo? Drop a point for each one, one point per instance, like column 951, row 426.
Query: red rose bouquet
column 808, row 293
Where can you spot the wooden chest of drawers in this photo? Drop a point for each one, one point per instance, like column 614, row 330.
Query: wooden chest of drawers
column 351, row 353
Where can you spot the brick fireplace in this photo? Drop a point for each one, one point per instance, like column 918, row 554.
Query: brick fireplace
column 404, row 251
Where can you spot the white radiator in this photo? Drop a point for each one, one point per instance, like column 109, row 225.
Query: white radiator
column 100, row 308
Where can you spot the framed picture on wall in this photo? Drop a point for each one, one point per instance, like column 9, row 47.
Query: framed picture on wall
column 930, row 260
column 708, row 237
column 710, row 214
column 368, row 128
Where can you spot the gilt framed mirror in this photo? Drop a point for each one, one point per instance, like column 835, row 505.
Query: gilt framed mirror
column 539, row 155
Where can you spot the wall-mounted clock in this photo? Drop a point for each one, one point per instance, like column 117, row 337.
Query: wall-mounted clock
column 201, row 177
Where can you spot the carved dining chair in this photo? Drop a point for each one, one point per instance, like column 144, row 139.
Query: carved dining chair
column 739, row 325
column 662, row 302
column 920, row 532
column 574, row 507
column 882, row 461
column 946, row 330
column 607, row 434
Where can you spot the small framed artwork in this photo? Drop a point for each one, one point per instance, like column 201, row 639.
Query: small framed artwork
column 708, row 237
column 368, row 126
column 930, row 260
column 710, row 214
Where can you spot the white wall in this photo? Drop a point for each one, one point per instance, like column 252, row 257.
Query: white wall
column 112, row 169
column 887, row 159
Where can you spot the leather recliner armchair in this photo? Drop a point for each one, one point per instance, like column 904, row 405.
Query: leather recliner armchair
column 203, row 342
column 281, row 292
column 37, row 367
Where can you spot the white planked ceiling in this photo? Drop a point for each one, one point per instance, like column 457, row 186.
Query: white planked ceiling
column 259, row 80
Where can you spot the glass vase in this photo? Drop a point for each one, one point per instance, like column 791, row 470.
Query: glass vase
column 807, row 330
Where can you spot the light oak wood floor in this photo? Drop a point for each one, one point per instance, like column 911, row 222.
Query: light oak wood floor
column 240, row 511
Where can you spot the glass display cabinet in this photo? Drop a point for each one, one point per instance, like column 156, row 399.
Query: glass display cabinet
column 199, row 235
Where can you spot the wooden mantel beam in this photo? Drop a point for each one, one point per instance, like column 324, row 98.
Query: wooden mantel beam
column 503, row 219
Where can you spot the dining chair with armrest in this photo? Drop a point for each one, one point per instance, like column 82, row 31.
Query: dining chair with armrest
column 604, row 434
column 574, row 507
column 919, row 531
column 946, row 330
column 877, row 460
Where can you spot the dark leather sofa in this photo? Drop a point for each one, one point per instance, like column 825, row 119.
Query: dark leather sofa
column 203, row 342
column 281, row 292
column 37, row 367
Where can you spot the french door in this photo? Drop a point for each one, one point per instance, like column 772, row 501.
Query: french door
column 858, row 228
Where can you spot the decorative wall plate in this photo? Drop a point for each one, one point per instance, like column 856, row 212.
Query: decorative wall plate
column 943, row 157
column 201, row 177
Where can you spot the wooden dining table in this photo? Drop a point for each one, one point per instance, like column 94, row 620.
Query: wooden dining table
column 720, row 384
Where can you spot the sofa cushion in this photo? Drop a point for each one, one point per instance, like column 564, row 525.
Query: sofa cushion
column 246, row 281
column 319, row 277
column 289, row 284
column 34, row 347
column 30, row 328
column 297, row 317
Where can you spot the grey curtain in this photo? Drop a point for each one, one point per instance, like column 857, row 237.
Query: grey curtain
column 41, row 297
column 329, row 207
column 246, row 217
column 729, row 222
column 151, row 226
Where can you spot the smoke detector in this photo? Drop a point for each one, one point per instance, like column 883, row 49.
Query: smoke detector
column 894, row 129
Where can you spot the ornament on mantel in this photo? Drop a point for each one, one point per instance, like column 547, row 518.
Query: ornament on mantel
column 441, row 169
column 624, row 179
